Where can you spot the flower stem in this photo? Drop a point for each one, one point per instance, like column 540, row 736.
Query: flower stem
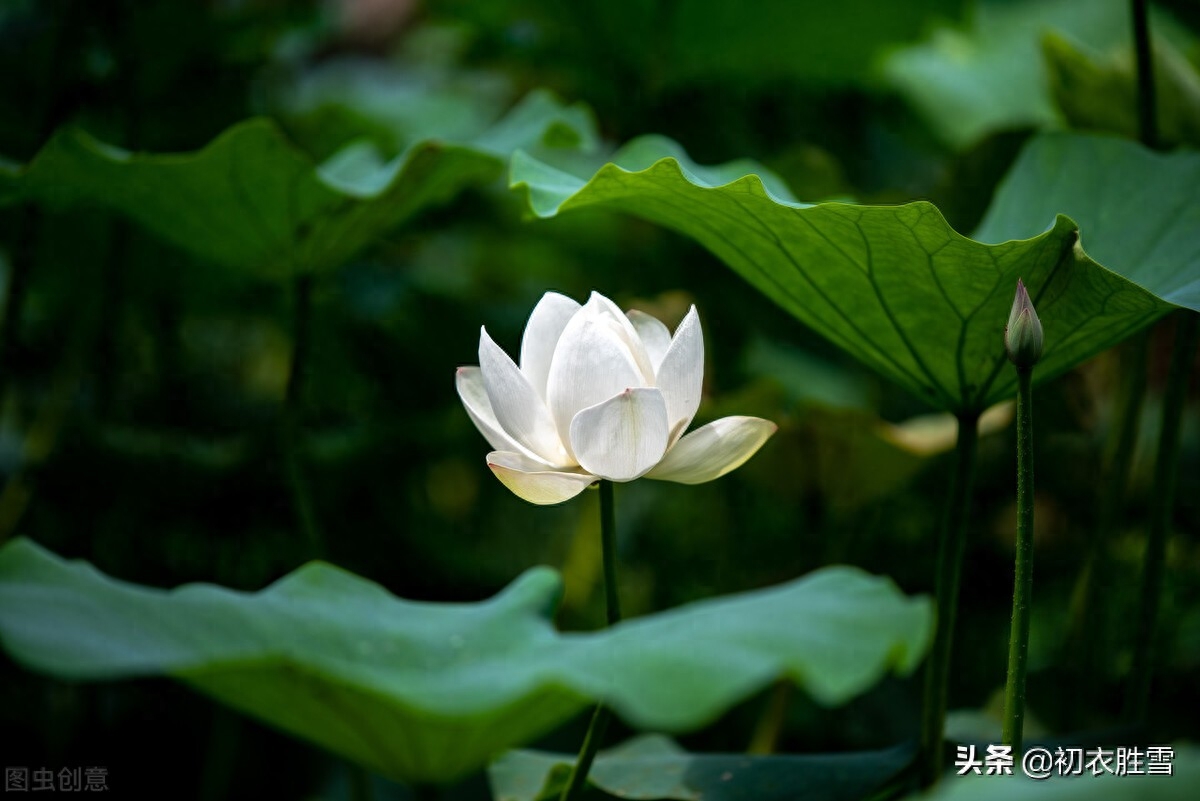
column 951, row 548
column 1018, row 639
column 600, row 718
column 1162, row 502
column 608, row 543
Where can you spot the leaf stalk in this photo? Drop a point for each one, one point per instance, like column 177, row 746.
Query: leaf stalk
column 951, row 548
column 599, row 723
column 1144, row 55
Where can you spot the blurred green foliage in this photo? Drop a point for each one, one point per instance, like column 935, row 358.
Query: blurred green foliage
column 142, row 389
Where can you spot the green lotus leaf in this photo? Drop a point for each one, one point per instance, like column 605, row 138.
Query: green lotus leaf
column 252, row 201
column 1138, row 211
column 654, row 767
column 429, row 692
column 894, row 286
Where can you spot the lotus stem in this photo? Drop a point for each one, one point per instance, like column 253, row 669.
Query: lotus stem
column 1162, row 504
column 1018, row 640
column 600, row 718
column 608, row 544
column 1144, row 54
column 587, row 753
column 951, row 548
column 290, row 429
column 765, row 739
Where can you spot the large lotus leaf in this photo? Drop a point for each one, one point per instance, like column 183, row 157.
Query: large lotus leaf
column 1180, row 785
column 654, row 767
column 251, row 200
column 428, row 692
column 1138, row 211
column 969, row 82
column 895, row 286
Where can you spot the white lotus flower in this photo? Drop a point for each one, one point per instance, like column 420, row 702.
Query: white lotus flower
column 599, row 395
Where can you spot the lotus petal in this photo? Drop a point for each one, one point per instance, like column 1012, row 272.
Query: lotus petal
column 546, row 323
column 622, row 437
column 531, row 481
column 518, row 407
column 713, row 450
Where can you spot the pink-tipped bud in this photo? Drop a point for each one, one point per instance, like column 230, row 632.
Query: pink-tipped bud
column 1023, row 334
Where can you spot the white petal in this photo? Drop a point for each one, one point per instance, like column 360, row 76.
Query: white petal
column 519, row 409
column 654, row 335
column 681, row 375
column 546, row 323
column 713, row 450
column 623, row 437
column 532, row 482
column 609, row 312
column 591, row 364
column 469, row 382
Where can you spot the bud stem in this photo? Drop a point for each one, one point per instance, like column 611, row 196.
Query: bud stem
column 600, row 718
column 1018, row 640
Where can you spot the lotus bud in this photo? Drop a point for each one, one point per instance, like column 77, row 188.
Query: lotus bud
column 1023, row 334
